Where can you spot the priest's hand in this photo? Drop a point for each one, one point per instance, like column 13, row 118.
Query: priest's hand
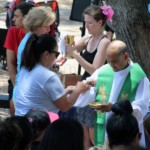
column 105, row 107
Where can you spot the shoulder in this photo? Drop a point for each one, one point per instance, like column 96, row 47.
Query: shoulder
column 11, row 38
column 103, row 44
column 13, row 29
column 101, row 69
column 42, row 71
column 105, row 40
column 84, row 39
column 25, row 38
column 13, row 32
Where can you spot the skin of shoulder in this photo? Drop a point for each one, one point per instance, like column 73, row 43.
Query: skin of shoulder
column 100, row 56
column 81, row 44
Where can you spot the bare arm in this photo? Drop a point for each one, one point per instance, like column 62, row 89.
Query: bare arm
column 99, row 59
column 12, row 65
column 81, row 44
column 65, row 103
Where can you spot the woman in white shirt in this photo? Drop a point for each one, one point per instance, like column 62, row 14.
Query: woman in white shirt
column 38, row 86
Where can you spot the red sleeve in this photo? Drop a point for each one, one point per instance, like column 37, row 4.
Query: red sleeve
column 10, row 42
column 13, row 39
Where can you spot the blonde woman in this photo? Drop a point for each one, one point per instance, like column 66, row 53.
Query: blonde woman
column 37, row 22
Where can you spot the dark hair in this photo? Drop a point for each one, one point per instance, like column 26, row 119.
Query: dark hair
column 39, row 120
column 64, row 134
column 15, row 133
column 136, row 148
column 122, row 126
column 35, row 47
column 24, row 7
column 95, row 12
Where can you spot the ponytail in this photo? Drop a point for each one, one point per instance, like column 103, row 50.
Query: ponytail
column 35, row 47
column 29, row 59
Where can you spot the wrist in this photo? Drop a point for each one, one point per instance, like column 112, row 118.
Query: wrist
column 75, row 54
column 77, row 91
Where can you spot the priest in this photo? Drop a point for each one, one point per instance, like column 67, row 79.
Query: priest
column 120, row 79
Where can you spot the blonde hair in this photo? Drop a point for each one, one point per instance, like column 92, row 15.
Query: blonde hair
column 38, row 16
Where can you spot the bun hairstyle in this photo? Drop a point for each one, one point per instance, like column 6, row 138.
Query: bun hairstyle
column 122, row 108
column 35, row 47
column 122, row 126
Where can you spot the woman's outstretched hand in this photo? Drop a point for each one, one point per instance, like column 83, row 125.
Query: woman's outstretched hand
column 60, row 61
column 82, row 87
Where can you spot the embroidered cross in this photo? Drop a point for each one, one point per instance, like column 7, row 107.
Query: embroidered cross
column 102, row 92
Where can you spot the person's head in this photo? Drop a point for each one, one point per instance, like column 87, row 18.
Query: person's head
column 122, row 127
column 95, row 18
column 15, row 133
column 39, row 120
column 41, row 49
column 117, row 55
column 39, row 19
column 20, row 11
column 64, row 134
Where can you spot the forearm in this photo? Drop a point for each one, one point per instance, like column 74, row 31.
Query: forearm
column 72, row 98
column 12, row 72
column 86, row 65
column 66, row 102
column 12, row 65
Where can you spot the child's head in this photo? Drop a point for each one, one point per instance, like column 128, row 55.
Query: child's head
column 15, row 133
column 39, row 120
column 64, row 134
column 122, row 127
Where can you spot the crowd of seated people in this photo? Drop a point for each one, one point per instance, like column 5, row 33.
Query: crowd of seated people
column 36, row 131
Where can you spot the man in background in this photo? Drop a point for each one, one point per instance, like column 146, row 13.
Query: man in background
column 14, row 36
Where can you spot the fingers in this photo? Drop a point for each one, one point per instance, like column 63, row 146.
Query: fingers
column 105, row 107
column 60, row 61
column 82, row 87
column 91, row 83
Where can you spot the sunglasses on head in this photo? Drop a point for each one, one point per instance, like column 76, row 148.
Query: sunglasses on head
column 56, row 53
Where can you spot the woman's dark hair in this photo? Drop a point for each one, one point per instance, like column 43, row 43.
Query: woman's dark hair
column 64, row 134
column 95, row 12
column 15, row 133
column 122, row 126
column 35, row 47
column 39, row 120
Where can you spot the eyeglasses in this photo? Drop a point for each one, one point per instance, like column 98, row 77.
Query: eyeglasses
column 56, row 53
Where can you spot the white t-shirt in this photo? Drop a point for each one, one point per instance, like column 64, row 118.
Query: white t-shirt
column 37, row 89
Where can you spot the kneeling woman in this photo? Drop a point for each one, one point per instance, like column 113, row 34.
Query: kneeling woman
column 38, row 86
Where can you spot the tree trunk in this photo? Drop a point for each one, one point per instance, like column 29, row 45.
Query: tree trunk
column 131, row 23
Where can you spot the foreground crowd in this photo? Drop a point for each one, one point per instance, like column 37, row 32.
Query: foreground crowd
column 111, row 80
